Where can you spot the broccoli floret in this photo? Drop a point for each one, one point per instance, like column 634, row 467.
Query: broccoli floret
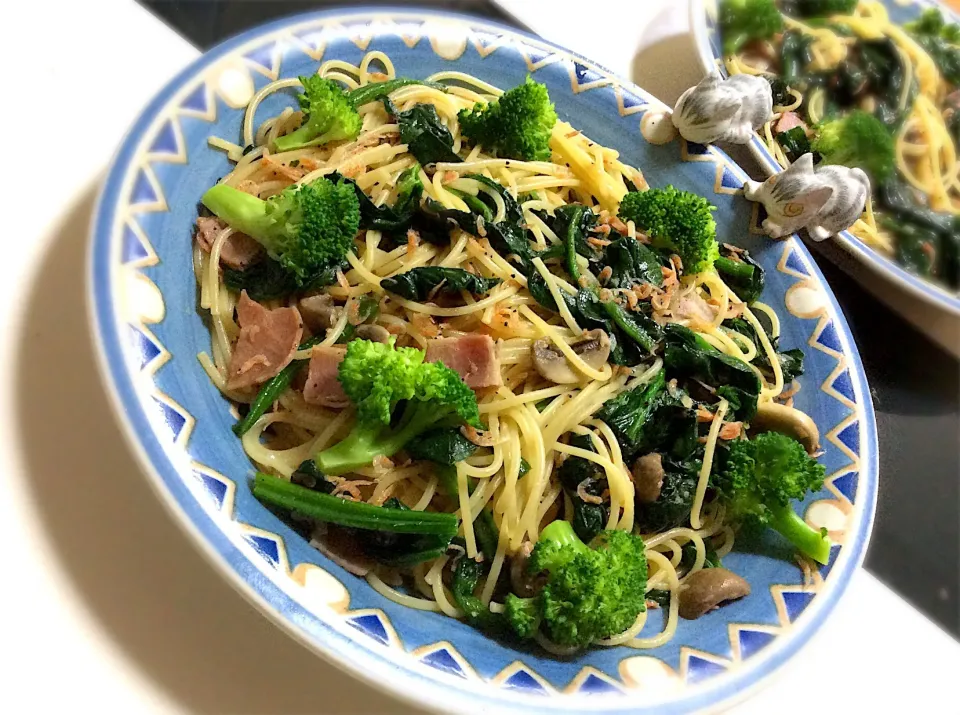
column 377, row 377
column 328, row 115
column 676, row 220
column 760, row 478
column 858, row 139
column 306, row 228
column 517, row 125
column 590, row 592
column 742, row 21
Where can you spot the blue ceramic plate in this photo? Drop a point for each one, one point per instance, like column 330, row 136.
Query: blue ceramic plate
column 146, row 323
column 706, row 31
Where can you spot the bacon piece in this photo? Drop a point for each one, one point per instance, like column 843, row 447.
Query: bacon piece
column 788, row 121
column 473, row 357
column 238, row 251
column 268, row 339
column 322, row 386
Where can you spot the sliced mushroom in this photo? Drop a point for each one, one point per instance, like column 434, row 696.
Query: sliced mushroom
column 593, row 349
column 319, row 312
column 774, row 417
column 647, row 476
column 708, row 589
column 374, row 333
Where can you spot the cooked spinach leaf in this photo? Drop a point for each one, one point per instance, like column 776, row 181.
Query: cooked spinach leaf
column 688, row 356
column 422, row 282
column 424, row 134
column 442, row 446
column 631, row 262
column 267, row 280
column 794, row 143
column 672, row 507
column 389, row 219
column 743, row 274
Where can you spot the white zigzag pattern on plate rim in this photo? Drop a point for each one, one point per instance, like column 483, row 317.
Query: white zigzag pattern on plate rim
column 243, row 531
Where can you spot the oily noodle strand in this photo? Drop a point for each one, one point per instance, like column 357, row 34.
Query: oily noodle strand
column 528, row 418
column 926, row 153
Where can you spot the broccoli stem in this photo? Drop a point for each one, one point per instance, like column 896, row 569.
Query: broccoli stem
column 561, row 533
column 271, row 390
column 359, row 515
column 366, row 443
column 811, row 542
column 243, row 212
column 570, row 241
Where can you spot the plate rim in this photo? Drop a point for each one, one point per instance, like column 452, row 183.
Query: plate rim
column 875, row 262
column 338, row 645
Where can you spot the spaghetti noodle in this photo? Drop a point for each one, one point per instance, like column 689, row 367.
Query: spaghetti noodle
column 533, row 425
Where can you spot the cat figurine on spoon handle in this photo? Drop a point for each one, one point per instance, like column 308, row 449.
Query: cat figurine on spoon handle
column 825, row 200
column 724, row 110
column 716, row 110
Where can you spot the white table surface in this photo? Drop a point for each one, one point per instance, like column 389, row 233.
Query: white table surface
column 105, row 606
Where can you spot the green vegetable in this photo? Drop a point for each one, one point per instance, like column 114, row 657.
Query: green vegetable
column 588, row 519
column 421, row 283
column 650, row 418
column 360, row 515
column 761, row 477
column 328, row 115
column 795, row 55
column 524, row 467
column 688, row 356
column 941, row 41
column 794, row 143
column 306, row 228
column 578, row 220
column 743, row 21
column 378, row 90
column 643, row 331
column 689, row 556
column 309, row 476
column 928, row 242
column 466, row 575
column 377, row 377
column 590, row 592
column 486, row 533
column 267, row 279
column 424, row 134
column 632, row 263
column 672, row 507
column 443, row 446
column 817, row 8
column 743, row 274
column 675, row 220
column 271, row 390
column 389, row 219
column 778, row 90
column 517, row 125
column 791, row 361
column 858, row 140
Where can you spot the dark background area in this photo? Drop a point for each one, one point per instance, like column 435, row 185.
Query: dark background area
column 915, row 384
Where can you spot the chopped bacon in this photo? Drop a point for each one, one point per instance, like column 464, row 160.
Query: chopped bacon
column 473, row 357
column 238, row 250
column 268, row 339
column 704, row 415
column 788, row 121
column 322, row 386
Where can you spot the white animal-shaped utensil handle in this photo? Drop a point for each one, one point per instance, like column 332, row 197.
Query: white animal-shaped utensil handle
column 724, row 110
column 824, row 200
